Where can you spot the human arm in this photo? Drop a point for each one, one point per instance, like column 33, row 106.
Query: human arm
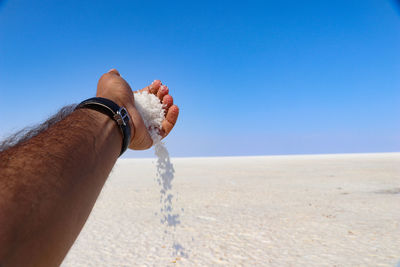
column 49, row 183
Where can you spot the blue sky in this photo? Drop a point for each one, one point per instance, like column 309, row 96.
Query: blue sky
column 250, row 77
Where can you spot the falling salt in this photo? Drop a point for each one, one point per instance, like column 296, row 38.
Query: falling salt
column 152, row 112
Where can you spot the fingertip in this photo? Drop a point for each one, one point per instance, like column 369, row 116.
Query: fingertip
column 164, row 89
column 167, row 101
column 175, row 109
column 114, row 71
column 155, row 85
column 162, row 92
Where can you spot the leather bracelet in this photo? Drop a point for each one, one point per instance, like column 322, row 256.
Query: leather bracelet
column 118, row 114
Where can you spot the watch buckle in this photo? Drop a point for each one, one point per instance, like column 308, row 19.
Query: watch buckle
column 121, row 117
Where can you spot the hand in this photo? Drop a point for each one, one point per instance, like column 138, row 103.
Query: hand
column 112, row 86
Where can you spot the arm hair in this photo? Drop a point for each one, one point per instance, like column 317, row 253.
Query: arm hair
column 27, row 133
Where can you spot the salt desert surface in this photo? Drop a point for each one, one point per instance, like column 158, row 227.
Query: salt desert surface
column 322, row 210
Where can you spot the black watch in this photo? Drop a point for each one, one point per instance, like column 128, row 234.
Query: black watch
column 115, row 112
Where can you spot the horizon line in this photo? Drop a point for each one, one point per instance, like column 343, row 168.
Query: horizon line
column 276, row 156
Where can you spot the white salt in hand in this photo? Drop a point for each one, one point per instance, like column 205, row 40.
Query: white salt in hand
column 152, row 112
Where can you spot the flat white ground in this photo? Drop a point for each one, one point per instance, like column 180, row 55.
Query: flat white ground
column 322, row 210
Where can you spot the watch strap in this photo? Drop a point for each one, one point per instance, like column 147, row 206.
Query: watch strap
column 118, row 114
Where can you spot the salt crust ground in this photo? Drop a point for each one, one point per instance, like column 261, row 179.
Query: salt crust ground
column 323, row 210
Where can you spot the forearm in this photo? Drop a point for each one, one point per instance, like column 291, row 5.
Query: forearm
column 49, row 184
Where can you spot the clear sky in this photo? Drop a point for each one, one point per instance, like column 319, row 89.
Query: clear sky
column 250, row 77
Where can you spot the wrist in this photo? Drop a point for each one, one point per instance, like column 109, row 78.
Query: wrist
column 101, row 127
column 115, row 112
column 127, row 105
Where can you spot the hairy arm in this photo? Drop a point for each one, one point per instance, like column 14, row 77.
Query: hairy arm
column 51, row 177
column 49, row 184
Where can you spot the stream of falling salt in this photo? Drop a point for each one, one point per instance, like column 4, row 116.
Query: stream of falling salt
column 165, row 175
column 152, row 112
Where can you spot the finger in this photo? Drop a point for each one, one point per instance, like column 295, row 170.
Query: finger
column 172, row 114
column 162, row 92
column 167, row 102
column 170, row 120
column 152, row 88
column 114, row 71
